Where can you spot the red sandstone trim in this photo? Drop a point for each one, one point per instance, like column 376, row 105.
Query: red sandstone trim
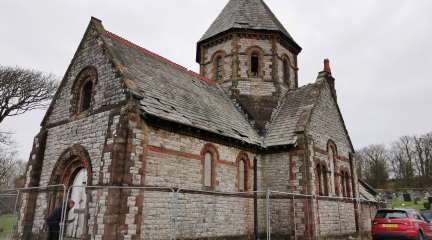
column 174, row 152
column 158, row 57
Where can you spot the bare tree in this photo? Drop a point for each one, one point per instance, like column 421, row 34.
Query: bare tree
column 374, row 165
column 10, row 167
column 6, row 138
column 22, row 90
column 423, row 161
column 402, row 160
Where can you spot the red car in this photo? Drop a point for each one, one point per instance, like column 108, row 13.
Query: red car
column 400, row 223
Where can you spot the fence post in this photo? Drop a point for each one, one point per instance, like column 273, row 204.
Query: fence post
column 360, row 218
column 15, row 211
column 268, row 214
column 340, row 224
column 294, row 219
column 315, row 209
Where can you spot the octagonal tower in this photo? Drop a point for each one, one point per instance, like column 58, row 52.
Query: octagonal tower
column 252, row 57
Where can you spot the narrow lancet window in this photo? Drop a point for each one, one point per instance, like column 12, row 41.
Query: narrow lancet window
column 343, row 184
column 326, row 193
column 254, row 64
column 219, row 69
column 347, row 182
column 332, row 169
column 319, row 179
column 286, row 72
column 241, row 175
column 86, row 96
column 207, row 170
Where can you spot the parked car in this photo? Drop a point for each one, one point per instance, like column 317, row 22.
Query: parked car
column 401, row 223
column 427, row 214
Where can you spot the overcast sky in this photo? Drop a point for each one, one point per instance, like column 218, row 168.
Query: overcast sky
column 380, row 51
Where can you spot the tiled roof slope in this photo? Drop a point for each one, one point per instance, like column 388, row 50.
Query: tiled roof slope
column 282, row 129
column 173, row 93
column 365, row 193
column 250, row 14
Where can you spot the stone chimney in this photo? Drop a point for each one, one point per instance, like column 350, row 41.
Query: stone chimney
column 330, row 79
column 327, row 66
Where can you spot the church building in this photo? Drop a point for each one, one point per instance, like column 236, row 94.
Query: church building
column 125, row 116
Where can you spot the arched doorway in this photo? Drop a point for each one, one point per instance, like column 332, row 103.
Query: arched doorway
column 79, row 196
column 73, row 168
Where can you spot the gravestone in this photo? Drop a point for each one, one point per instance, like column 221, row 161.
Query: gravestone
column 417, row 200
column 400, row 193
column 401, row 197
column 430, row 199
column 389, row 202
column 394, row 199
column 427, row 206
column 407, row 197
column 417, row 193
column 427, row 194
column 389, row 196
column 410, row 192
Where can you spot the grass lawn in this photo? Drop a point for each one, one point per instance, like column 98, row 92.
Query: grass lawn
column 6, row 224
column 402, row 204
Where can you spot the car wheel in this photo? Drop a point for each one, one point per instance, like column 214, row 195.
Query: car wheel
column 419, row 236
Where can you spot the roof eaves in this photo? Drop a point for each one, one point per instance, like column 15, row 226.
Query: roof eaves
column 367, row 186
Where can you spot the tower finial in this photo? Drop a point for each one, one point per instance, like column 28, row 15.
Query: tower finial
column 327, row 66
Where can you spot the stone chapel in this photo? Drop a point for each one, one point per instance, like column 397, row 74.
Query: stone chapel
column 125, row 116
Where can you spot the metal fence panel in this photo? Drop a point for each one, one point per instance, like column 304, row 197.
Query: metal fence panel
column 28, row 219
column 148, row 210
column 199, row 214
column 8, row 208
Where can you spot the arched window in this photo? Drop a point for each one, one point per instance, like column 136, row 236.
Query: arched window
column 343, row 183
column 82, row 90
column 207, row 170
column 86, row 96
column 254, row 64
column 332, row 170
column 242, row 175
column 347, row 186
column 219, row 69
column 319, row 179
column 325, row 180
column 286, row 76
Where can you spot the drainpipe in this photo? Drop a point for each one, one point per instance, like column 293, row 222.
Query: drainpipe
column 255, row 188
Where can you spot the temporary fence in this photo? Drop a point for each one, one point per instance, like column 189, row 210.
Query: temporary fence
column 199, row 213
column 27, row 198
column 299, row 215
column 8, row 206
column 189, row 213
column 156, row 206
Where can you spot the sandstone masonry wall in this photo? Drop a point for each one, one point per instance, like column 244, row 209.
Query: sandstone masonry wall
column 244, row 44
column 175, row 169
column 89, row 132
column 326, row 125
column 108, row 90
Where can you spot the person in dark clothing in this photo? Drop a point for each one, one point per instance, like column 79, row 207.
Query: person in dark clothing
column 54, row 219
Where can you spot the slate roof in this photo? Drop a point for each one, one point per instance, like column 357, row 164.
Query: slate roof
column 247, row 14
column 367, row 191
column 171, row 92
column 282, row 129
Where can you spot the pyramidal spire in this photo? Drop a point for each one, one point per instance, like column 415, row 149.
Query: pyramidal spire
column 245, row 14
